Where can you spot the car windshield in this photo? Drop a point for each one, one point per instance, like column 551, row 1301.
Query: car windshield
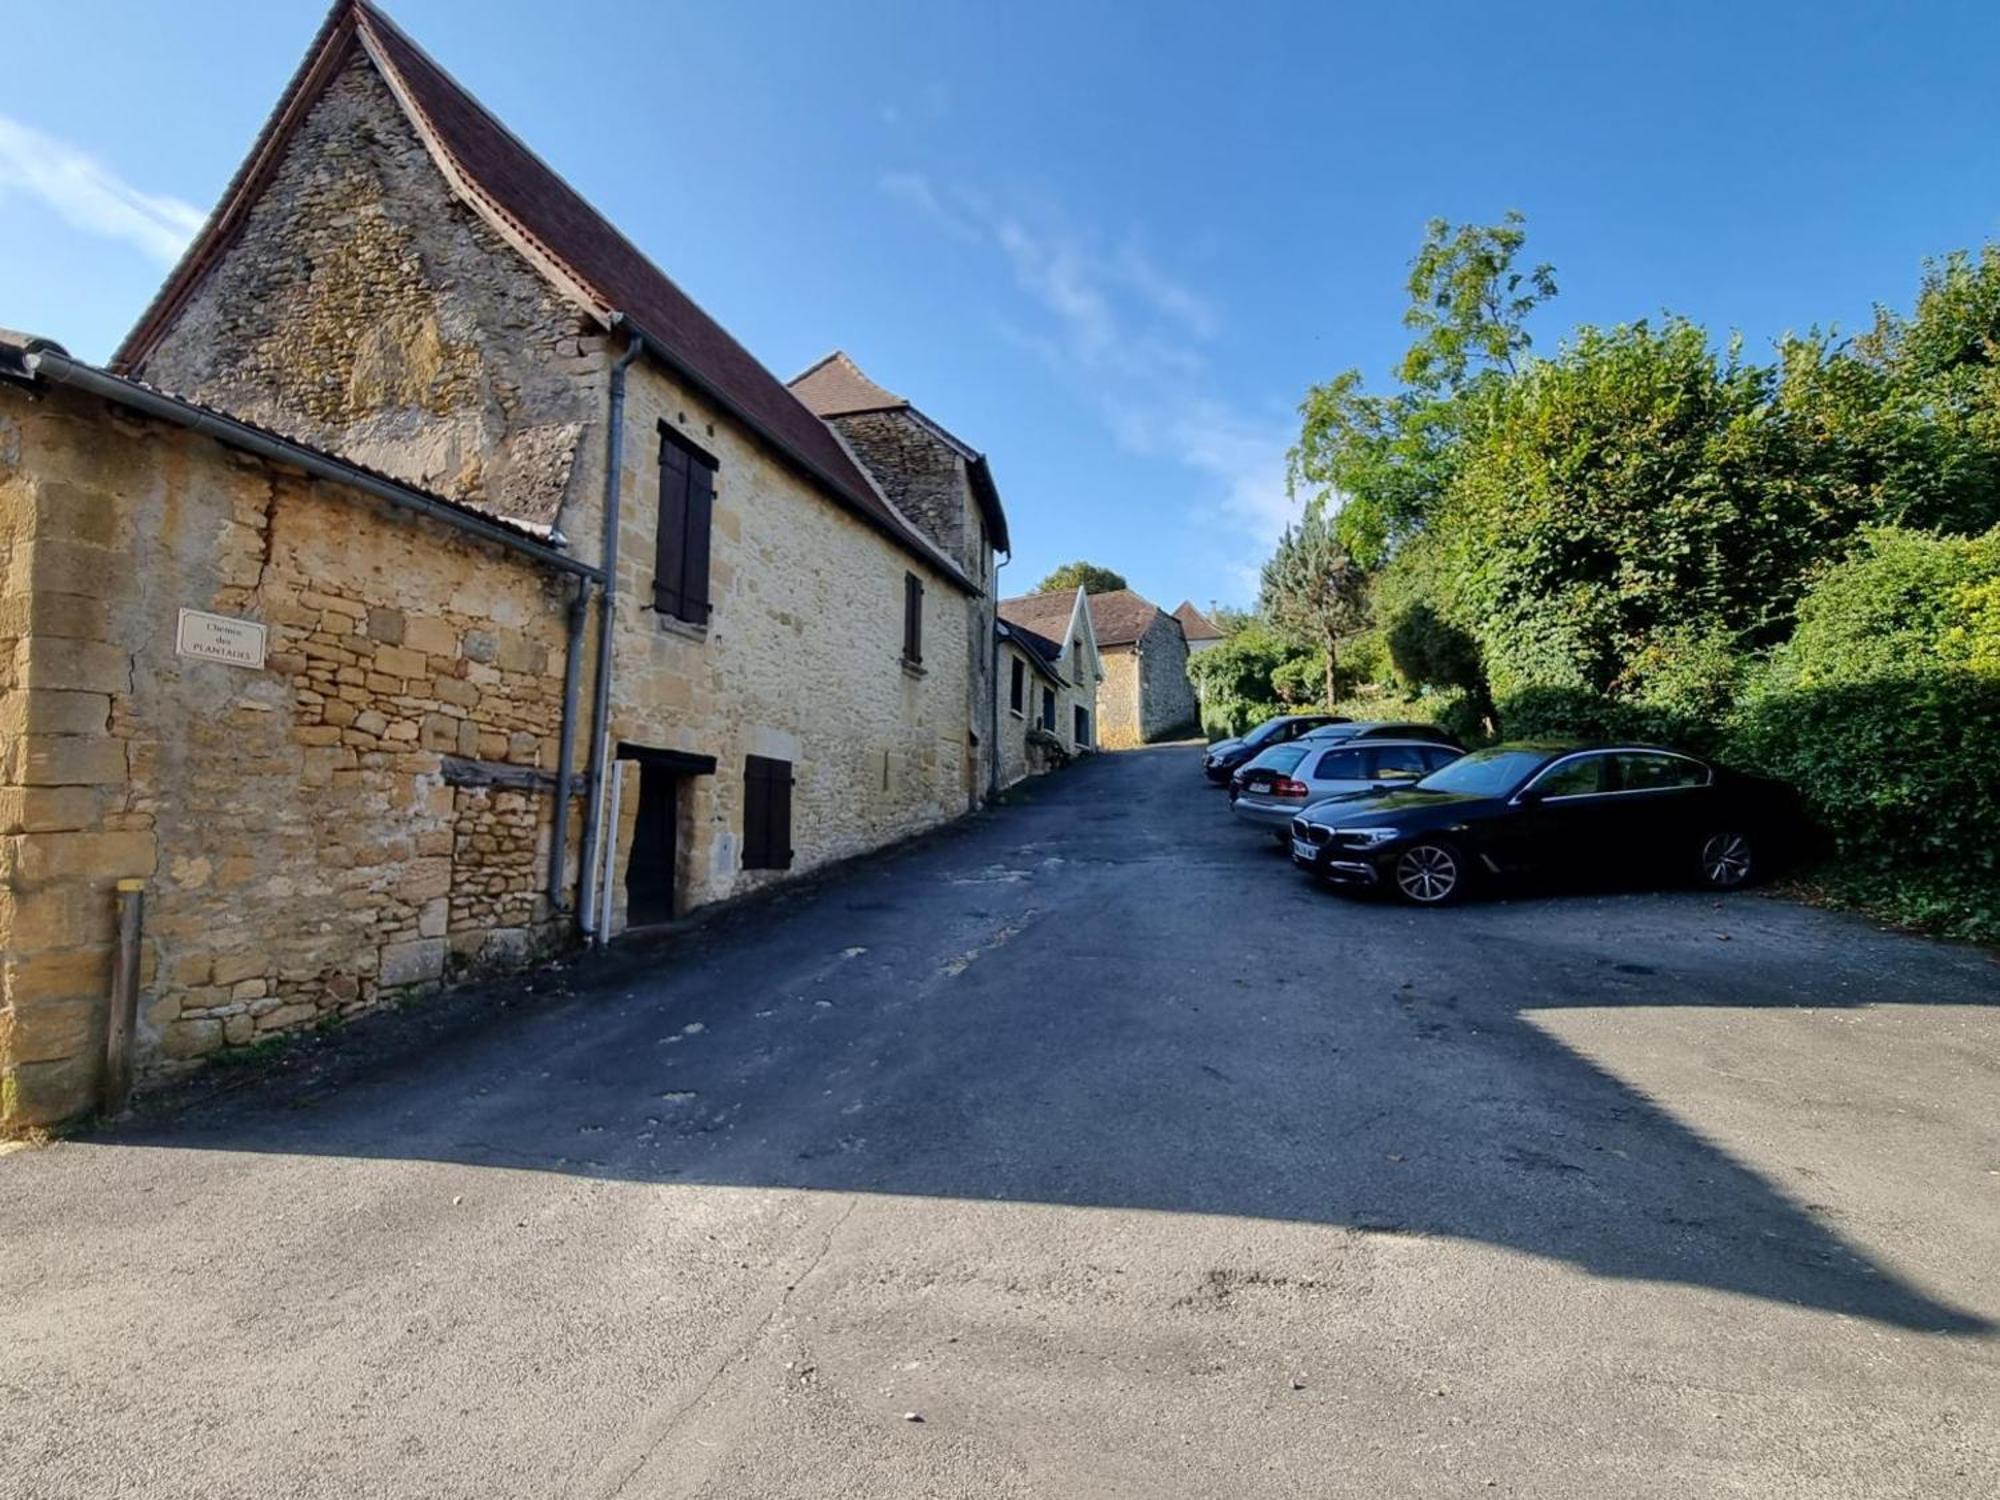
column 1485, row 773
column 1263, row 732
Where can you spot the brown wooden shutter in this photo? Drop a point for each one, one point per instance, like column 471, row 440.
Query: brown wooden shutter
column 767, row 813
column 913, row 619
column 670, row 540
column 694, row 561
column 781, row 815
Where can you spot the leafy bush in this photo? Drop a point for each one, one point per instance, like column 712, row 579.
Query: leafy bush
column 1580, row 713
column 1884, row 708
column 1903, row 770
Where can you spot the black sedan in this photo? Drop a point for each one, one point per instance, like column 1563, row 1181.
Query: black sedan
column 1559, row 810
column 1224, row 756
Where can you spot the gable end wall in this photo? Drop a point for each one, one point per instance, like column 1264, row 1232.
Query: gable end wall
column 364, row 309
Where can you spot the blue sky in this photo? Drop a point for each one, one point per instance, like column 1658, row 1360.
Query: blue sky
column 1110, row 245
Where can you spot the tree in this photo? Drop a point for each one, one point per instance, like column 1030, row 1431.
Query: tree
column 1314, row 590
column 1387, row 461
column 1094, row 580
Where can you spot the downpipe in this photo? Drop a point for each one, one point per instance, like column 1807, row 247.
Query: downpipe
column 579, row 614
column 592, row 914
column 993, row 688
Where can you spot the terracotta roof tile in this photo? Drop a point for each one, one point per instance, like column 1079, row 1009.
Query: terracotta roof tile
column 836, row 387
column 1120, row 616
column 1195, row 625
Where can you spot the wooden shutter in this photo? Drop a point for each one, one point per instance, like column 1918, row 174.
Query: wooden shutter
column 767, row 813
column 913, row 619
column 680, row 545
column 694, row 560
column 670, row 540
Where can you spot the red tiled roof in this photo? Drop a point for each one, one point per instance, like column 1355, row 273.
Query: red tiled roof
column 1117, row 618
column 1045, row 615
column 836, row 387
column 1195, row 625
column 1120, row 616
column 529, row 198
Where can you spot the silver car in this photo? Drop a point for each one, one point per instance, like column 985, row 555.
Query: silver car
column 1336, row 770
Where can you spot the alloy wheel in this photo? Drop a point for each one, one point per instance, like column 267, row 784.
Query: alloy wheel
column 1427, row 874
column 1726, row 860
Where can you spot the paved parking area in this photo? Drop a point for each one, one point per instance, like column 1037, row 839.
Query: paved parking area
column 1093, row 1136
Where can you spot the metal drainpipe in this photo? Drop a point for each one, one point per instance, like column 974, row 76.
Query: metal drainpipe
column 993, row 696
column 579, row 611
column 591, row 903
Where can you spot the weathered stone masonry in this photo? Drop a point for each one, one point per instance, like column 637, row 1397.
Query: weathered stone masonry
column 363, row 309
column 306, row 853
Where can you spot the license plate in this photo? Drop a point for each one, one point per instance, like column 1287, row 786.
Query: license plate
column 1303, row 852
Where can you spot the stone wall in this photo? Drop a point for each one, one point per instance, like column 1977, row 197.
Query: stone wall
column 1019, row 754
column 927, row 479
column 364, row 309
column 1118, row 706
column 1167, row 704
column 800, row 661
column 1146, row 694
column 306, row 851
column 923, row 476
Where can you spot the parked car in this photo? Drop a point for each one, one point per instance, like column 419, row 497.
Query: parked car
column 1266, row 766
column 1351, row 729
column 1317, row 770
column 1560, row 809
column 1224, row 756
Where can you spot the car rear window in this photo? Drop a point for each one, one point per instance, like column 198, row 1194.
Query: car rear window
column 1279, row 758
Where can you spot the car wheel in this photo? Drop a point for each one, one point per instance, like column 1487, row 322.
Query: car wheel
column 1728, row 860
column 1431, row 873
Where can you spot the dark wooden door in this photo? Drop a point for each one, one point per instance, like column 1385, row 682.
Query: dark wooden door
column 649, row 873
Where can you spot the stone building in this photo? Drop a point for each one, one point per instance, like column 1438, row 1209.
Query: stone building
column 1202, row 634
column 436, row 430
column 1048, row 681
column 314, row 711
column 945, row 487
column 1145, row 694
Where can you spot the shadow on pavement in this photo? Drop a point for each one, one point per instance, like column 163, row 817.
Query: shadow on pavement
column 1107, row 995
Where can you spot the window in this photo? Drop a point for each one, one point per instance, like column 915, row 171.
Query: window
column 1017, row 692
column 1049, row 709
column 680, row 546
column 1639, row 772
column 767, row 813
column 1441, row 755
column 1341, row 765
column 1399, row 763
column 1583, row 777
column 1082, row 725
column 913, row 620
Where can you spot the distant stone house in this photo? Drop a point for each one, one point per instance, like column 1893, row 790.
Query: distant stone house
column 1146, row 694
column 306, row 597
column 1050, row 672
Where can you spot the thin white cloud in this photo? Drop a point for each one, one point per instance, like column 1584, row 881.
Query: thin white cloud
column 1127, row 336
column 89, row 195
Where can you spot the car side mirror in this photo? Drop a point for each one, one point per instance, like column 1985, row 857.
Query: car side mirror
column 1529, row 796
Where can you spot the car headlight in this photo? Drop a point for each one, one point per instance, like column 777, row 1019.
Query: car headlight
column 1365, row 838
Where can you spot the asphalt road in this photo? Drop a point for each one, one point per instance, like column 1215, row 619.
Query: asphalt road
column 1094, row 1136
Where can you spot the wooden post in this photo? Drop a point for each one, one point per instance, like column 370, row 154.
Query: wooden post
column 124, row 997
